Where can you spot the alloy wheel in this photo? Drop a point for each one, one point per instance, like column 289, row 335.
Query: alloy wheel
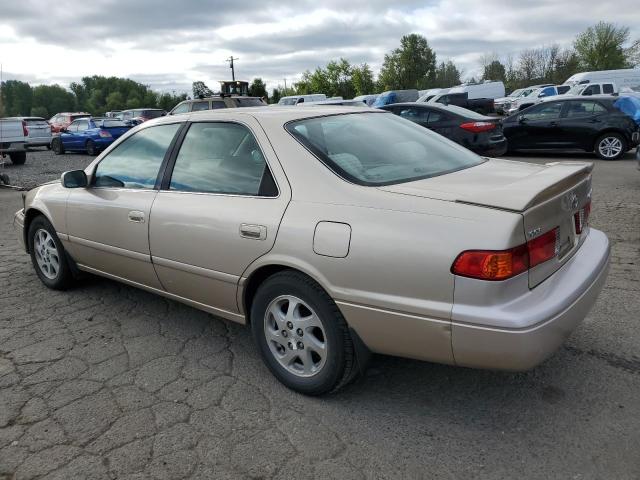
column 47, row 255
column 295, row 335
column 610, row 147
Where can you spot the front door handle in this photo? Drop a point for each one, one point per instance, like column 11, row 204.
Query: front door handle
column 136, row 216
column 254, row 232
column 553, row 124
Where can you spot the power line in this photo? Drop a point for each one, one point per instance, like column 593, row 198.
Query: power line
column 233, row 72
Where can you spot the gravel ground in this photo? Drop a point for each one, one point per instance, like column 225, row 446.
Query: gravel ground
column 107, row 381
column 42, row 165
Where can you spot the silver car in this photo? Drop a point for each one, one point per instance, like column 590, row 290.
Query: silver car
column 332, row 232
column 38, row 131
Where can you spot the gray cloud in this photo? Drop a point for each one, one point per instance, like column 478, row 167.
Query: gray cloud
column 360, row 30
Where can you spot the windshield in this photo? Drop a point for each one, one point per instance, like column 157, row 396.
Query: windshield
column 380, row 148
column 517, row 93
column 288, row 101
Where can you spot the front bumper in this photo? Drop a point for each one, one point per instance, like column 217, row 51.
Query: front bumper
column 539, row 321
column 18, row 227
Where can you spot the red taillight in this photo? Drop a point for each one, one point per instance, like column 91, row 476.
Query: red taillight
column 478, row 127
column 544, row 247
column 581, row 217
column 25, row 130
column 503, row 264
column 104, row 134
column 490, row 264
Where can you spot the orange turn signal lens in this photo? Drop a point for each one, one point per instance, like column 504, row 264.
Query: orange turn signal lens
column 491, row 264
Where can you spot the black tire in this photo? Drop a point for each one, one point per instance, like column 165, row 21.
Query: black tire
column 18, row 158
column 63, row 277
column 48, row 147
column 340, row 365
column 610, row 146
column 57, row 147
column 90, row 147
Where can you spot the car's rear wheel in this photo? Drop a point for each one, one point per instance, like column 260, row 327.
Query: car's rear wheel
column 91, row 148
column 611, row 146
column 18, row 158
column 48, row 255
column 56, row 146
column 302, row 336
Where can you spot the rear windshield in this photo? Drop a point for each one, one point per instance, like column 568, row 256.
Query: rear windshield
column 152, row 113
column 464, row 112
column 75, row 117
column 35, row 121
column 249, row 102
column 380, row 148
column 111, row 123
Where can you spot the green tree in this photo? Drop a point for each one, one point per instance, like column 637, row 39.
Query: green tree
column 39, row 112
column 54, row 99
column 200, row 90
column 115, row 101
column 601, row 47
column 258, row 88
column 494, row 71
column 275, row 95
column 447, row 75
column 17, row 98
column 362, row 80
column 412, row 65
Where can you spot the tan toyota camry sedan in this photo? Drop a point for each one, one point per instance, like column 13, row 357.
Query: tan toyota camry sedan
column 332, row 233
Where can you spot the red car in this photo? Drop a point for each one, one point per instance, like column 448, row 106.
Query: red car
column 63, row 120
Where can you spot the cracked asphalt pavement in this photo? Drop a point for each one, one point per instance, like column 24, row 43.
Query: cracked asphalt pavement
column 107, row 381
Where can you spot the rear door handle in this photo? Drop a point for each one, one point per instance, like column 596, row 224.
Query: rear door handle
column 254, row 232
column 554, row 124
column 136, row 216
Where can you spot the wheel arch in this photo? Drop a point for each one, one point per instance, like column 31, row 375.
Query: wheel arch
column 29, row 216
column 605, row 132
column 258, row 275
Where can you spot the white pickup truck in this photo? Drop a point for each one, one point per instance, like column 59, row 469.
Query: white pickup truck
column 13, row 140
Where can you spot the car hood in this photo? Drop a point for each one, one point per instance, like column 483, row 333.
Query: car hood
column 503, row 184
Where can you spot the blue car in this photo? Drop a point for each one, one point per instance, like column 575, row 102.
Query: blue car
column 89, row 135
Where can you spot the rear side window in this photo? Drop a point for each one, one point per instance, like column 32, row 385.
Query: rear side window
column 249, row 102
column 135, row 163
column 414, row 114
column 218, row 157
column 199, row 106
column 216, row 104
column 546, row 111
column 607, row 88
column 584, row 108
column 379, row 149
column 183, row 108
column 592, row 90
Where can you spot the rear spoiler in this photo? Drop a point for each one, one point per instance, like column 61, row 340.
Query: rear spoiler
column 524, row 194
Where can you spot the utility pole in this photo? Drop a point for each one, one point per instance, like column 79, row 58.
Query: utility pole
column 233, row 72
column 285, row 87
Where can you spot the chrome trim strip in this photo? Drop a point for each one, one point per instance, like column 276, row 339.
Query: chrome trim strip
column 200, row 306
column 392, row 312
column 202, row 272
column 143, row 257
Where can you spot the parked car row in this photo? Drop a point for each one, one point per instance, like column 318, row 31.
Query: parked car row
column 89, row 135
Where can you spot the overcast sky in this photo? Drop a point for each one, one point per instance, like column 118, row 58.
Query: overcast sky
column 167, row 45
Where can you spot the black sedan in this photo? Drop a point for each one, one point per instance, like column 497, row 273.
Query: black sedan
column 478, row 133
column 592, row 124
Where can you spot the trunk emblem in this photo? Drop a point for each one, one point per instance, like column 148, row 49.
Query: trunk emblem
column 570, row 202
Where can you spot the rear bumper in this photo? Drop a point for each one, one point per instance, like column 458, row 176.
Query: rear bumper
column 38, row 141
column 542, row 318
column 10, row 147
column 492, row 149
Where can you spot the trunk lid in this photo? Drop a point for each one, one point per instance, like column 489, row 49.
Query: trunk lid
column 547, row 196
column 116, row 131
column 11, row 131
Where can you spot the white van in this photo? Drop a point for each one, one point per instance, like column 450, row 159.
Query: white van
column 486, row 89
column 296, row 99
column 627, row 77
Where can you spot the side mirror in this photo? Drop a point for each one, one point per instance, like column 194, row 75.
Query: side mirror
column 542, row 95
column 522, row 118
column 74, row 179
column 63, row 130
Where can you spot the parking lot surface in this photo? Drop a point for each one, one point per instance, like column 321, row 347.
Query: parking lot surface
column 107, row 381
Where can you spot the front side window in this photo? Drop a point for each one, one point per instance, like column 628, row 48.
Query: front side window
column 219, row 157
column 216, row 104
column 546, row 111
column 415, row 114
column 135, row 163
column 607, row 88
column 82, row 125
column 592, row 90
column 379, row 149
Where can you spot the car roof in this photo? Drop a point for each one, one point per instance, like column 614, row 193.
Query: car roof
column 278, row 114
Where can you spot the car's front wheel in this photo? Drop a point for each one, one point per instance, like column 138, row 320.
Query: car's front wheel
column 48, row 255
column 611, row 146
column 56, row 146
column 302, row 335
